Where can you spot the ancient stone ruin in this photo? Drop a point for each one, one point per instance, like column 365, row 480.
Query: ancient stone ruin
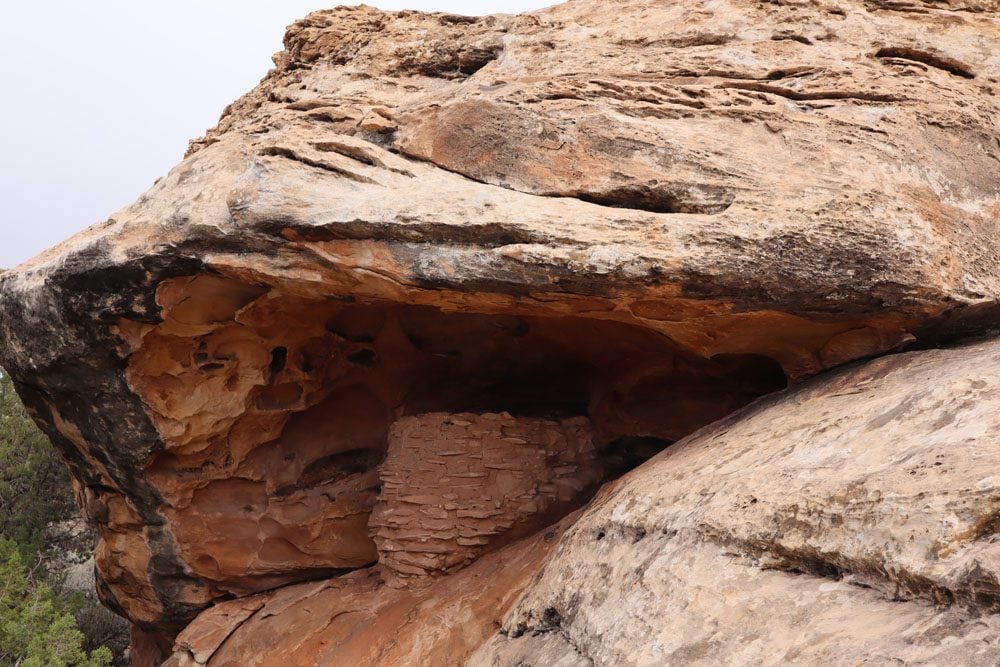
column 615, row 333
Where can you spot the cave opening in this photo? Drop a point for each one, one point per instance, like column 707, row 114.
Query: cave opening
column 408, row 435
column 630, row 381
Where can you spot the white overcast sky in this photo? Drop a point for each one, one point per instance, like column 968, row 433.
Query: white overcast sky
column 100, row 97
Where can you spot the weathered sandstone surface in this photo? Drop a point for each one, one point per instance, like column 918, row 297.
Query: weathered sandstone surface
column 335, row 389
column 453, row 485
column 851, row 521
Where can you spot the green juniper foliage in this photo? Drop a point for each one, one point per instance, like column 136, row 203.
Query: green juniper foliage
column 34, row 486
column 38, row 628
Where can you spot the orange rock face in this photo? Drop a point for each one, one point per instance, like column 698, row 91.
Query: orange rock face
column 290, row 419
column 454, row 486
column 358, row 620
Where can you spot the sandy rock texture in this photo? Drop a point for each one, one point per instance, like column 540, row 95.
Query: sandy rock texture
column 853, row 520
column 606, row 225
column 456, row 485
column 358, row 620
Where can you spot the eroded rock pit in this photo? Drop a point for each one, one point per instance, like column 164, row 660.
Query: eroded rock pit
column 307, row 437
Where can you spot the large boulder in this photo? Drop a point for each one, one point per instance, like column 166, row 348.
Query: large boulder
column 598, row 227
column 855, row 520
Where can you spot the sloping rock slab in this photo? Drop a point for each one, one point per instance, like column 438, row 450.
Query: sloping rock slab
column 852, row 520
column 357, row 620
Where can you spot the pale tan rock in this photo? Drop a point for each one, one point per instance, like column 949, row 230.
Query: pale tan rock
column 849, row 521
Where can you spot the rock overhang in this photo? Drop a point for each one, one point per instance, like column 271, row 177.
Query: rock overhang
column 771, row 213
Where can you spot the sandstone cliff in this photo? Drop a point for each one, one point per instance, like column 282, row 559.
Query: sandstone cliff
column 358, row 380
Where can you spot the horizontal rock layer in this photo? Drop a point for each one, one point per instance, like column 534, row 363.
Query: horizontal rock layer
column 455, row 485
